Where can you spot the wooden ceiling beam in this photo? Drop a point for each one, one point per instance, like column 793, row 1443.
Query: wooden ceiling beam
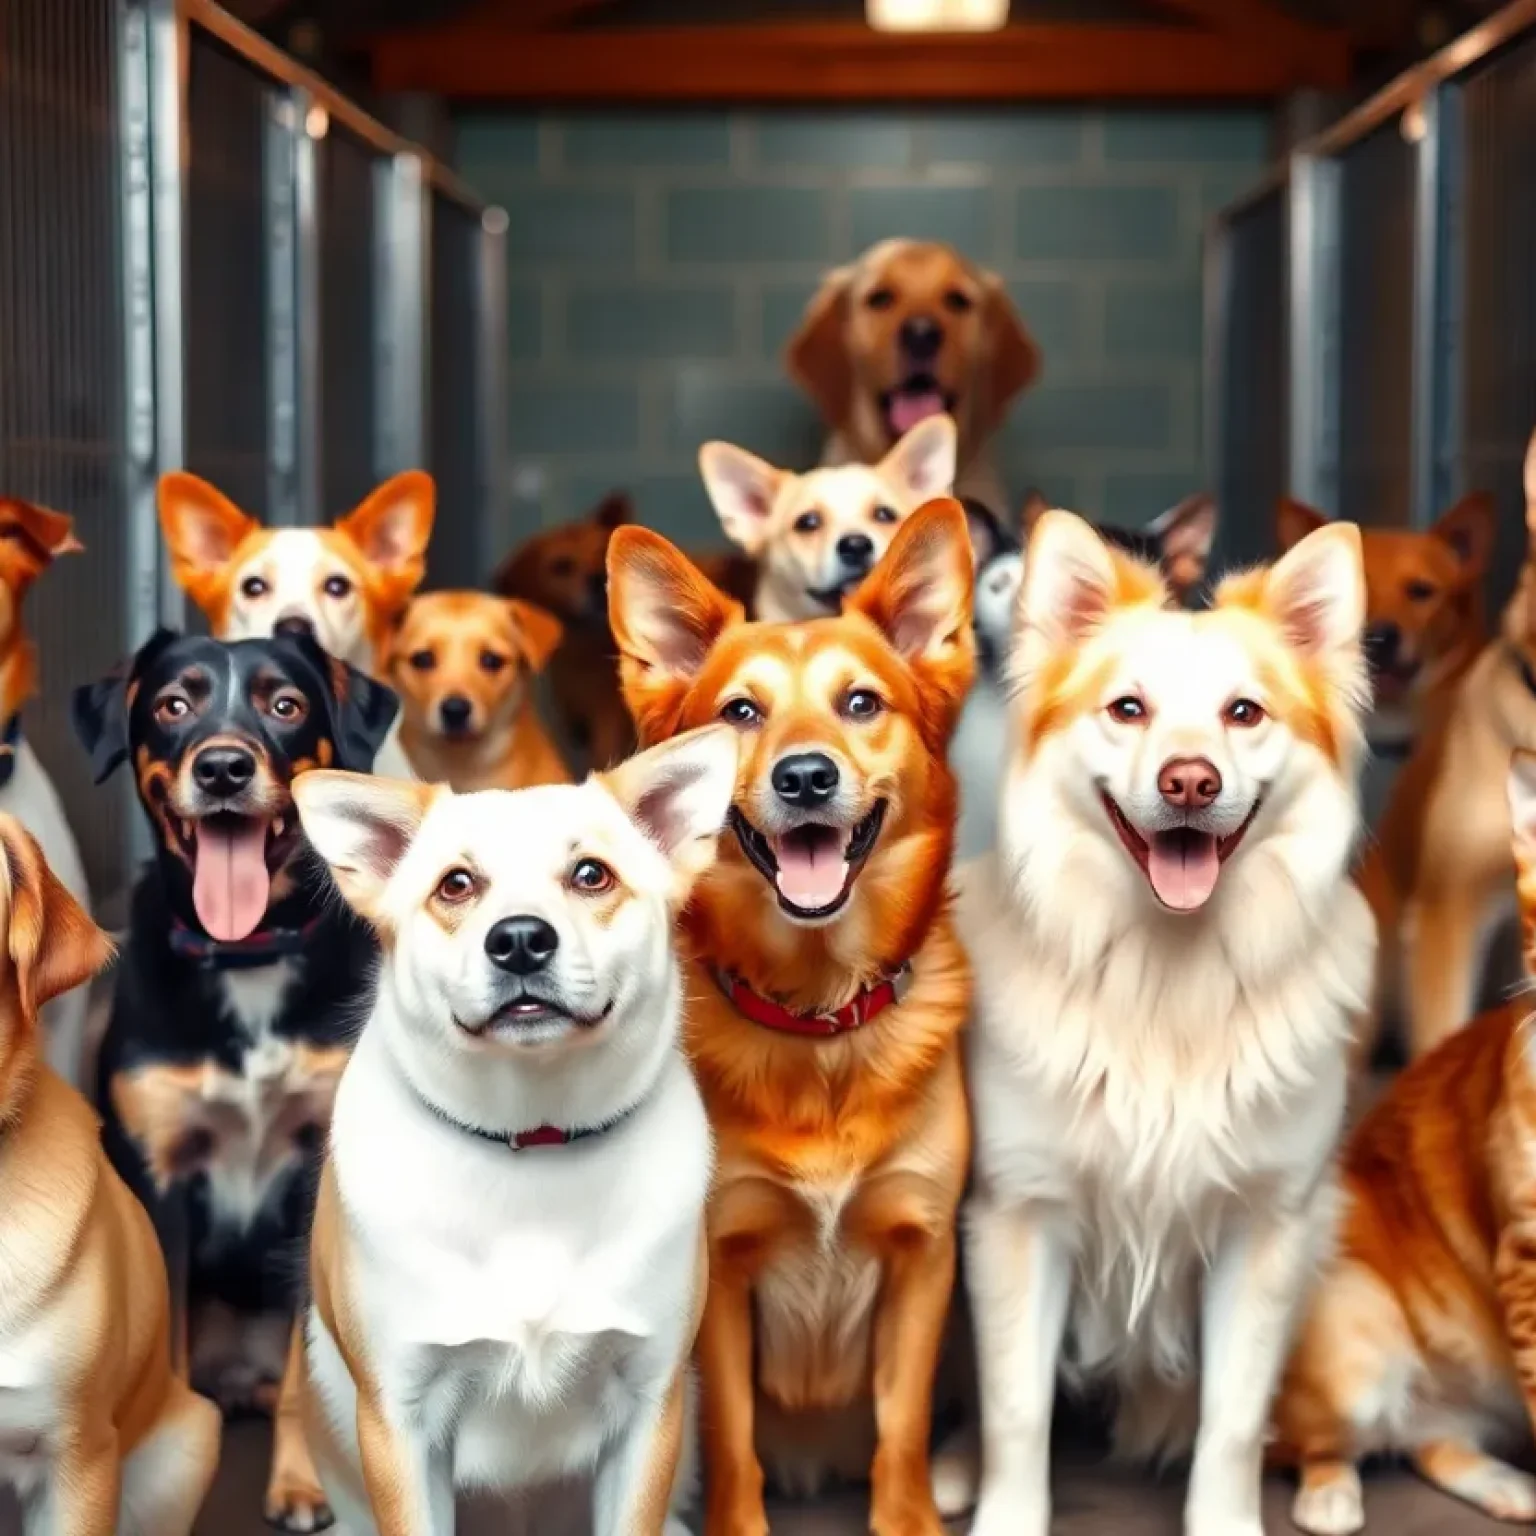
column 532, row 15
column 1254, row 21
column 844, row 64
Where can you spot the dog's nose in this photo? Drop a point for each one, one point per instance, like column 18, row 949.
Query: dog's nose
column 1381, row 645
column 454, row 712
column 1190, row 783
column 856, row 549
column 295, row 624
column 921, row 337
column 224, row 770
column 805, row 779
column 521, row 945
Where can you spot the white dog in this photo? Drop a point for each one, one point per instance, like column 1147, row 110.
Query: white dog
column 508, row 1258
column 1169, row 959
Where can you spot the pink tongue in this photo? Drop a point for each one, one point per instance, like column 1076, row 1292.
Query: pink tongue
column 811, row 867
column 1183, row 867
column 231, row 887
column 907, row 410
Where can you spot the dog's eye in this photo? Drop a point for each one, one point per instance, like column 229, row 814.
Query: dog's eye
column 491, row 662
column 808, row 522
column 562, row 566
column 172, row 707
column 423, row 661
column 1128, row 711
column 288, row 706
column 1421, row 591
column 457, row 885
column 337, row 586
column 1243, row 712
column 958, row 303
column 253, row 586
column 886, row 515
column 593, row 877
column 863, row 704
column 742, row 712
column 880, row 298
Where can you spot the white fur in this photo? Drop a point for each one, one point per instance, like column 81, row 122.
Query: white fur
column 526, row 1312
column 1157, row 1095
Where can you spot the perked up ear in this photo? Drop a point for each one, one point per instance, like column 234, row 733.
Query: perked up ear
column 203, row 528
column 1184, row 537
column 1316, row 592
column 392, row 525
column 742, row 488
column 540, row 630
column 41, row 534
column 920, row 594
column 923, row 460
column 1069, row 587
column 1294, row 520
column 53, row 946
column 614, row 510
column 678, row 795
column 817, row 355
column 1468, row 529
column 665, row 617
column 362, row 827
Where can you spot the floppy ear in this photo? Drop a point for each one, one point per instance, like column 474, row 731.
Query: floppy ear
column 919, row 596
column 1014, row 362
column 363, row 710
column 43, row 535
column 202, row 527
column 678, row 794
column 1184, row 537
column 53, row 945
column 665, row 618
column 743, row 488
column 923, row 460
column 361, row 826
column 1294, row 520
column 541, row 631
column 817, row 354
column 392, row 525
column 1316, row 592
column 1468, row 529
column 99, row 711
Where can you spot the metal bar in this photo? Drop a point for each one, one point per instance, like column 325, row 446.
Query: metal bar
column 402, row 296
column 311, row 126
column 279, row 159
column 491, row 390
column 1216, row 293
column 1311, row 283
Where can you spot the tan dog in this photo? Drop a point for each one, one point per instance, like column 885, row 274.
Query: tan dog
column 463, row 665
column 912, row 330
column 98, row 1434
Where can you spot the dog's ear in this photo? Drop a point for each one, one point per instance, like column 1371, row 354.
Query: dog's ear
column 678, row 794
column 1315, row 592
column 361, row 826
column 988, row 537
column 919, row 596
column 742, row 488
column 52, row 944
column 614, row 510
column 1013, row 361
column 1294, row 520
column 817, row 354
column 362, row 711
column 203, row 528
column 37, row 536
column 99, row 711
column 1184, row 536
column 665, row 617
column 1468, row 529
column 923, row 460
column 541, row 632
column 391, row 528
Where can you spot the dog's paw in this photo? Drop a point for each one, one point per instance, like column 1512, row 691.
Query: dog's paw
column 1501, row 1491
column 1334, row 1508
column 1012, row 1516
column 301, row 1509
column 956, row 1472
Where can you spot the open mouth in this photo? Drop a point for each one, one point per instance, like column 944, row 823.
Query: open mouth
column 812, row 867
column 233, row 857
column 915, row 399
column 1181, row 864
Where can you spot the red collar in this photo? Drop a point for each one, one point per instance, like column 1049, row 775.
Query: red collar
column 854, row 1014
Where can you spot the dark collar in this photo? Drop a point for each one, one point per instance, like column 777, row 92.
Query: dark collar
column 864, row 1006
column 10, row 739
column 259, row 948
column 538, row 1136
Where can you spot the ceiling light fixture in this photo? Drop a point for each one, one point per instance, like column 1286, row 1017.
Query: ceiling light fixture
column 937, row 15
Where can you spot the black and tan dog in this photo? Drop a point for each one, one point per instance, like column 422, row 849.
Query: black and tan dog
column 239, row 991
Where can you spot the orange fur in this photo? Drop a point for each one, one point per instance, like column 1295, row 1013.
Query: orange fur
column 841, row 1159
column 31, row 539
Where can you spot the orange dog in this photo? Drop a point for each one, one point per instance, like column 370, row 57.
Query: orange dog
column 828, row 989
column 1422, row 1337
column 463, row 666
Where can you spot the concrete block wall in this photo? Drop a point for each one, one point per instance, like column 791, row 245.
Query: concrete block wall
column 658, row 262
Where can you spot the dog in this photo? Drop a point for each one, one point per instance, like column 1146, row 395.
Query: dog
column 464, row 664
column 347, row 585
column 816, row 536
column 1169, row 961
column 508, row 1253
column 1421, row 1338
column 827, row 992
column 31, row 539
column 101, row 1435
column 239, row 989
column 908, row 331
column 1178, row 541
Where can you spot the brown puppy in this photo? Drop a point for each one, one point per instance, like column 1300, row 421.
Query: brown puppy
column 463, row 665
column 909, row 330
column 101, row 1435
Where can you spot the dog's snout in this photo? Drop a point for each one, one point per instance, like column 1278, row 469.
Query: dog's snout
column 921, row 337
column 454, row 712
column 1190, row 783
column 295, row 624
column 1382, row 642
column 805, row 779
column 521, row 945
column 224, row 770
column 856, row 549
